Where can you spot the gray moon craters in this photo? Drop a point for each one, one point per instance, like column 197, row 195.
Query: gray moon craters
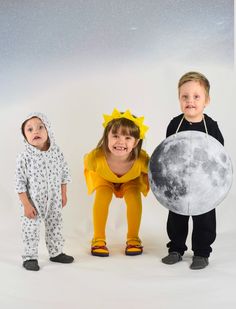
column 190, row 173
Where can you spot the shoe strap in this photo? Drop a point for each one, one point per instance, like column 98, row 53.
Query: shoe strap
column 99, row 247
column 134, row 247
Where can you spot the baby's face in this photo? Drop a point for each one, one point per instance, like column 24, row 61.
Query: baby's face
column 36, row 133
column 193, row 99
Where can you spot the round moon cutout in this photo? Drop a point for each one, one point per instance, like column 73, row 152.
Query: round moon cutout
column 190, row 173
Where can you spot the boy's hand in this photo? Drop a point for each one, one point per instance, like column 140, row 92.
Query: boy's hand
column 30, row 212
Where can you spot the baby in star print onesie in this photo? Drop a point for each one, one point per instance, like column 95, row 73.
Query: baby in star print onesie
column 41, row 178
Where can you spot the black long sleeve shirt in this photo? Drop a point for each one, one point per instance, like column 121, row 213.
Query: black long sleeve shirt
column 212, row 127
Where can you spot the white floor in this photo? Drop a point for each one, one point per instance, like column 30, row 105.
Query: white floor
column 117, row 281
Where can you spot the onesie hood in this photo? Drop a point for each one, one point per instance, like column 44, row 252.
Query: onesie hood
column 47, row 124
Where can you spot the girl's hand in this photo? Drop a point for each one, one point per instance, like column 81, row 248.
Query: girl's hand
column 30, row 212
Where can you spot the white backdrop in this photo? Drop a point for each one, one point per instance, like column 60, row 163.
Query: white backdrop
column 74, row 97
column 75, row 109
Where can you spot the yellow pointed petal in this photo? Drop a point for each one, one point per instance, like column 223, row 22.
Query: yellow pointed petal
column 128, row 115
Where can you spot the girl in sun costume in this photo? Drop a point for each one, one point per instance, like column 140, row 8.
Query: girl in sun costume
column 118, row 165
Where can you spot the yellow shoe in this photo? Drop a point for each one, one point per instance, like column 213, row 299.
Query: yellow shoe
column 99, row 248
column 133, row 246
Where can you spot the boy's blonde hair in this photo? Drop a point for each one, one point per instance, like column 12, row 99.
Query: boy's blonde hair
column 127, row 127
column 197, row 77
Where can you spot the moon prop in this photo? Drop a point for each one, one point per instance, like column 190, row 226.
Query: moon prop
column 190, row 173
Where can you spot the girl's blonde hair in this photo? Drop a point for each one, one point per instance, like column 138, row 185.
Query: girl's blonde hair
column 197, row 77
column 128, row 127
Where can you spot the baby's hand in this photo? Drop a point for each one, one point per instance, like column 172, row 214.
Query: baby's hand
column 64, row 200
column 30, row 212
column 63, row 195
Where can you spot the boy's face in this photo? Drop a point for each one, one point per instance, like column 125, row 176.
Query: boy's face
column 193, row 99
column 36, row 133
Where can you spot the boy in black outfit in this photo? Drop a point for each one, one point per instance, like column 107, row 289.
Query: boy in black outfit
column 194, row 97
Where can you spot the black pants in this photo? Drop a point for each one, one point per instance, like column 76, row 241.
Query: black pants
column 203, row 235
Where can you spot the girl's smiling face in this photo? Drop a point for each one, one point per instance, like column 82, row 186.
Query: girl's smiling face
column 121, row 145
column 193, row 99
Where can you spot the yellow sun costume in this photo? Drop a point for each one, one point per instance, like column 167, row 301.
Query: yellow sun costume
column 100, row 178
column 98, row 174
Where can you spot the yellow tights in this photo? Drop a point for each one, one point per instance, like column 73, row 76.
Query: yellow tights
column 102, row 201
